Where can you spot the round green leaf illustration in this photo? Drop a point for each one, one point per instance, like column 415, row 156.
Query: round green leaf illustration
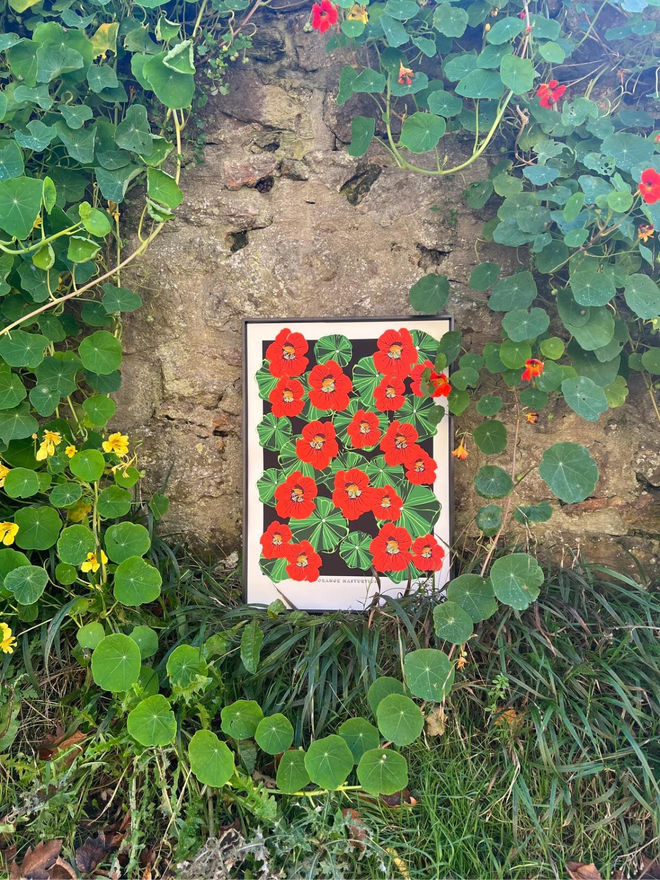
column 241, row 719
column 152, row 722
column 422, row 414
column 75, row 543
column 88, row 465
column 333, row 348
column 21, row 483
column 116, row 663
column 292, row 775
column 38, row 528
column 343, row 462
column 275, row 569
column 27, row 583
column 492, row 482
column 474, row 595
column 570, row 471
column 289, row 462
column 90, row 635
column 360, row 736
column 265, row 380
column 382, row 771
column 429, row 673
column 266, row 485
column 354, row 550
column 274, row 734
column 381, row 688
column 136, row 582
column 100, row 353
column 426, row 345
column 399, row 720
column 381, row 474
column 420, row 511
column 211, row 760
column 516, row 580
column 329, row 761
column 343, row 419
column 185, row 666
column 146, row 640
column 491, row 437
column 365, row 379
column 273, row 432
column 452, row 623
column 125, row 540
column 324, row 529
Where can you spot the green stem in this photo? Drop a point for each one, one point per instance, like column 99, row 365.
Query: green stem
column 318, row 792
column 40, row 244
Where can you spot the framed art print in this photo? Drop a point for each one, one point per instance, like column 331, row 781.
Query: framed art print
column 348, row 491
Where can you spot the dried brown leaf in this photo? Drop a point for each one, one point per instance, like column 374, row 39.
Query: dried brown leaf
column 36, row 862
column 52, row 747
column 650, row 869
column 92, row 853
column 582, row 871
column 356, row 827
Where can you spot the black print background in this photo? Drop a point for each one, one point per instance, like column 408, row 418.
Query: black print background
column 333, row 564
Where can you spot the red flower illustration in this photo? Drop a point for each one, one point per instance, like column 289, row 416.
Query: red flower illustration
column 304, row 562
column 295, row 497
column 416, row 376
column 438, row 381
column 329, row 386
column 391, row 549
column 286, row 398
column 396, row 353
column 428, row 554
column 420, row 467
column 275, row 540
column 387, row 504
column 549, row 93
column 352, row 494
column 397, row 442
column 318, row 445
column 389, row 394
column 364, row 429
column 440, row 385
column 286, row 354
column 406, row 75
column 534, row 367
column 324, row 16
column 649, row 188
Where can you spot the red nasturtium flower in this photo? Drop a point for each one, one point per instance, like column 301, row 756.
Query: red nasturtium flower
column 275, row 540
column 440, row 384
column 318, row 444
column 329, row 386
column 533, row 367
column 324, row 16
column 390, row 393
column 286, row 354
column 398, row 442
column 295, row 497
column 387, row 503
column 304, row 562
column 420, row 467
column 391, row 549
column 549, row 93
column 406, row 75
column 428, row 554
column 438, row 381
column 286, row 398
column 364, row 429
column 649, row 187
column 352, row 493
column 396, row 353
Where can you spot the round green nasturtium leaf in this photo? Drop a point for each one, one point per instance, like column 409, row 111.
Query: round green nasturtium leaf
column 292, row 775
column 100, row 353
column 211, row 760
column 597, row 332
column 421, row 132
column 492, row 482
column 274, row 432
column 452, row 623
column 489, row 519
column 329, row 761
column 649, row 361
column 534, row 398
column 75, row 543
column 324, row 528
column 360, row 736
column 125, row 540
column 354, row 550
column 116, row 663
column 9, row 560
column 429, row 673
column 585, row 398
column 551, row 377
column 152, row 722
column 399, row 719
column 185, row 666
column 333, row 348
column 552, row 348
column 148, row 682
column 65, row 574
column 521, row 324
column 114, row 502
column 241, row 719
column 88, row 465
column 527, row 513
column 381, row 688
column 38, row 528
column 569, row 471
column 430, row 293
column 12, row 390
column 474, row 595
column 136, row 582
column 274, row 734
column 516, row 580
column 146, row 639
column 65, row 494
column 90, row 635
column 490, row 437
column 174, row 89
column 27, row 583
column 484, row 276
column 514, row 354
column 642, row 296
column 515, row 292
column 21, row 483
column 617, row 392
column 99, row 409
column 489, row 405
column 590, row 288
column 382, row 771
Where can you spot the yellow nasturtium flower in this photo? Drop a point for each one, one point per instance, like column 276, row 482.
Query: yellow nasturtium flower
column 3, row 473
column 358, row 13
column 8, row 531
column 92, row 564
column 78, row 511
column 116, row 443
column 7, row 640
column 70, row 451
column 50, row 440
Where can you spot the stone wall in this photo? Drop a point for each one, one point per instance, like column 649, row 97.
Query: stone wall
column 279, row 221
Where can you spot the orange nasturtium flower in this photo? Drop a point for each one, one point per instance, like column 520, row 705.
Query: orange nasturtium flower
column 533, row 367
column 532, row 417
column 461, row 452
column 406, row 75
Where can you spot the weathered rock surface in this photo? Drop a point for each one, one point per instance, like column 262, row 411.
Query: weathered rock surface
column 280, row 222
